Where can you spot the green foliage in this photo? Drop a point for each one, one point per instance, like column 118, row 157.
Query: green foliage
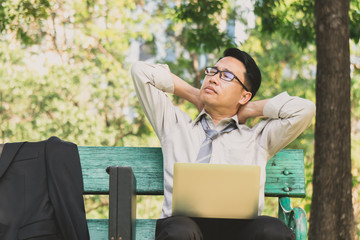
column 354, row 15
column 295, row 19
column 24, row 18
column 149, row 206
column 78, row 103
column 198, row 28
column 292, row 18
column 201, row 32
column 81, row 89
column 97, row 206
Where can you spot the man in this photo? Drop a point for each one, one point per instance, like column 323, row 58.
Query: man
column 224, row 100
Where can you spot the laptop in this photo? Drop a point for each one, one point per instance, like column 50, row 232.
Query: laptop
column 216, row 190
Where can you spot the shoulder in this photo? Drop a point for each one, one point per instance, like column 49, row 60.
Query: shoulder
column 55, row 142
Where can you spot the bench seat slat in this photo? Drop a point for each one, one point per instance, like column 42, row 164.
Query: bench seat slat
column 98, row 229
column 145, row 229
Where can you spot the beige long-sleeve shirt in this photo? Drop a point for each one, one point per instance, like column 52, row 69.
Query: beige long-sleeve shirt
column 181, row 137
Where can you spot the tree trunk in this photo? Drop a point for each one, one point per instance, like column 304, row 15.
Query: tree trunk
column 332, row 210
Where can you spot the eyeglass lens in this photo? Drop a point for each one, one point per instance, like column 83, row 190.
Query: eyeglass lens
column 227, row 76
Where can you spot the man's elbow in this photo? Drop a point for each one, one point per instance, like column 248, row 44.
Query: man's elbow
column 137, row 69
column 311, row 108
column 309, row 111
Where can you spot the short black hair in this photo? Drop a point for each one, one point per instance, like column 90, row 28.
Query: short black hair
column 253, row 74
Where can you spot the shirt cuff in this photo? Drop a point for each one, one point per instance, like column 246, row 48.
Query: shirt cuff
column 273, row 106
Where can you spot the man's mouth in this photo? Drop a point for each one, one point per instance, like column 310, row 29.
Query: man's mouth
column 210, row 89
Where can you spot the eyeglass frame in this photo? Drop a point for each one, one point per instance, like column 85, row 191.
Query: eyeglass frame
column 221, row 74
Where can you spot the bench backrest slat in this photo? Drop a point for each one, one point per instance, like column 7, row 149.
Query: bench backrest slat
column 146, row 163
column 285, row 171
column 285, row 174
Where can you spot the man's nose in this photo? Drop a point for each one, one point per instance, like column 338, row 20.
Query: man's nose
column 215, row 78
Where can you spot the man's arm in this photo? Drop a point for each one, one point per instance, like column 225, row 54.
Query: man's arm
column 151, row 82
column 251, row 110
column 288, row 117
column 186, row 91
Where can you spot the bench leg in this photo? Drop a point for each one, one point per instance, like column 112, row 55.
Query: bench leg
column 294, row 218
column 122, row 203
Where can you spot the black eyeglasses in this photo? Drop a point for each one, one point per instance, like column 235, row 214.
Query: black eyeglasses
column 224, row 75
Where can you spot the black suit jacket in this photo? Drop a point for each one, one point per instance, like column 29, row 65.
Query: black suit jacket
column 41, row 190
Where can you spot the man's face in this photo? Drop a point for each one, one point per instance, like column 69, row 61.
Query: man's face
column 222, row 96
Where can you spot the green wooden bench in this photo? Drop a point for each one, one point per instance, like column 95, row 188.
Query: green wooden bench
column 140, row 172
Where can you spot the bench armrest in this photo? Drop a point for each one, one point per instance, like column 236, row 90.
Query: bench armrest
column 122, row 203
column 294, row 218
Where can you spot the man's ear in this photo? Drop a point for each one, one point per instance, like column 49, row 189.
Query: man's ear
column 245, row 98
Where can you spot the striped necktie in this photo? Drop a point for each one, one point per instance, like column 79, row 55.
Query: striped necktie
column 205, row 151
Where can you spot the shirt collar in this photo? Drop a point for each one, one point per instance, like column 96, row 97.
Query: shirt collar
column 197, row 119
column 203, row 112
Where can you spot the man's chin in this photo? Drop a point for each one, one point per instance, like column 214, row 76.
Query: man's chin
column 207, row 97
column 210, row 105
